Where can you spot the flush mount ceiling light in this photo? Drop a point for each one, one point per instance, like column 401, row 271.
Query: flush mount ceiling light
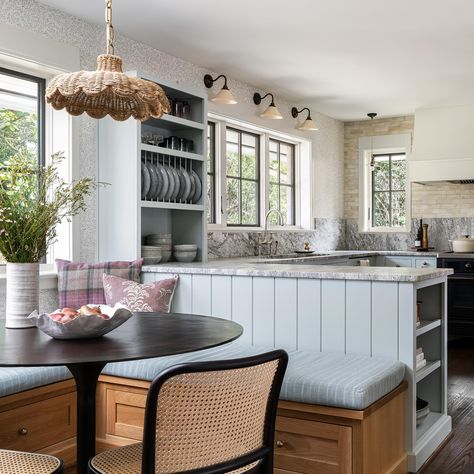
column 308, row 124
column 272, row 112
column 224, row 96
column 107, row 91
column 372, row 115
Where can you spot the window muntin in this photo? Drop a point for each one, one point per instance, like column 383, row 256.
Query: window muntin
column 242, row 178
column 388, row 180
column 281, row 181
column 22, row 117
column 211, row 172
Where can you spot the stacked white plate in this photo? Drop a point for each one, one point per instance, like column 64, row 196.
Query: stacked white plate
column 160, row 240
column 151, row 254
column 185, row 252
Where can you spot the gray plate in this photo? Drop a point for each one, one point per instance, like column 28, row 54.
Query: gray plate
column 193, row 187
column 197, row 181
column 171, row 183
column 145, row 181
column 182, row 184
column 153, row 181
column 159, row 179
column 165, row 181
column 177, row 183
column 187, row 189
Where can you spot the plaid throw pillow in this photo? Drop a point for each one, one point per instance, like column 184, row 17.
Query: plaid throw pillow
column 82, row 283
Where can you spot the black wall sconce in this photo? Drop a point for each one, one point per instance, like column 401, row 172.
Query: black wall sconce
column 271, row 112
column 308, row 124
column 224, row 96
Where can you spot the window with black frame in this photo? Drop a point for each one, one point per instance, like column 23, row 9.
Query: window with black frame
column 211, row 172
column 22, row 117
column 389, row 190
column 242, row 178
column 282, row 181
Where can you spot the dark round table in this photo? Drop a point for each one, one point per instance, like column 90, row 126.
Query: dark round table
column 143, row 336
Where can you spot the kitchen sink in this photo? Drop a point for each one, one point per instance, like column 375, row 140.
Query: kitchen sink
column 265, row 258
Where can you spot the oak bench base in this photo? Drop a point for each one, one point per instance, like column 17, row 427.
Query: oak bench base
column 309, row 439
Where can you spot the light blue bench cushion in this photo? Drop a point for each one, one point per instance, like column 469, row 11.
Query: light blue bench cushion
column 18, row 379
column 340, row 380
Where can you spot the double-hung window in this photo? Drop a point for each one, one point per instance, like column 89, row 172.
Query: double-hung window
column 282, row 180
column 22, row 117
column 242, row 178
column 388, row 190
column 251, row 170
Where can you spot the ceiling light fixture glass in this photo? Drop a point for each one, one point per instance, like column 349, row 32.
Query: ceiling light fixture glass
column 224, row 96
column 107, row 91
column 308, row 124
column 272, row 112
column 372, row 115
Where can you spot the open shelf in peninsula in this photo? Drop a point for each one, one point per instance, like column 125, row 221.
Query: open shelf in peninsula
column 427, row 325
column 431, row 366
column 160, row 190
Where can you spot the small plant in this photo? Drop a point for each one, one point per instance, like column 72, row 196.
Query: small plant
column 32, row 202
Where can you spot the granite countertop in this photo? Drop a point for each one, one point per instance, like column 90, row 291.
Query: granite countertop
column 303, row 267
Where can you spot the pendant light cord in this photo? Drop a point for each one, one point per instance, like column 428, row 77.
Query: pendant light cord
column 110, row 28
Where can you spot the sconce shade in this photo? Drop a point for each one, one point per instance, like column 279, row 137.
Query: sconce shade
column 272, row 113
column 308, row 125
column 224, row 96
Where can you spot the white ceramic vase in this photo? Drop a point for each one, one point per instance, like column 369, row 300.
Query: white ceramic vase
column 22, row 294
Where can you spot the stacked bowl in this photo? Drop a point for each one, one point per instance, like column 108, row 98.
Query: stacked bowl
column 151, row 254
column 185, row 253
column 160, row 240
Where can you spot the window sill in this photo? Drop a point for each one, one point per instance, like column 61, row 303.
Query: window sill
column 399, row 230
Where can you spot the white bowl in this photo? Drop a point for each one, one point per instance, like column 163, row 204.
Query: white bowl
column 185, row 256
column 82, row 327
column 152, row 260
column 166, row 255
column 185, row 247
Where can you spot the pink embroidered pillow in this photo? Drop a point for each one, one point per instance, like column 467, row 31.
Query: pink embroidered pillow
column 147, row 297
column 82, row 283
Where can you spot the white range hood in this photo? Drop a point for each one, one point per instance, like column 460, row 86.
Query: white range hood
column 443, row 145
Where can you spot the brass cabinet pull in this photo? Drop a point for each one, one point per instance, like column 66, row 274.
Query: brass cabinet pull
column 23, row 431
column 280, row 443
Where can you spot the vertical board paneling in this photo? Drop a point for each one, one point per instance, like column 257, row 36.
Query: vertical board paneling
column 333, row 311
column 221, row 305
column 309, row 315
column 385, row 319
column 201, row 291
column 182, row 300
column 286, row 313
column 358, row 317
column 263, row 310
column 242, row 306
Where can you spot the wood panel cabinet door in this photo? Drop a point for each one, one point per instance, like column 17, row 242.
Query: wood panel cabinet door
column 311, row 447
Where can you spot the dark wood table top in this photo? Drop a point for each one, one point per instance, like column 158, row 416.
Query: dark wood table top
column 143, row 336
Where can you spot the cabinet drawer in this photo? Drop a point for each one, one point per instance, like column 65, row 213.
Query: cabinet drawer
column 398, row 262
column 311, row 447
column 35, row 426
column 425, row 262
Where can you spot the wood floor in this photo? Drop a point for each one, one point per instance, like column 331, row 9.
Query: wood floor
column 457, row 456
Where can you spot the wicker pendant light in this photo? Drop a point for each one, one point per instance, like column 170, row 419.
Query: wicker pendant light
column 107, row 91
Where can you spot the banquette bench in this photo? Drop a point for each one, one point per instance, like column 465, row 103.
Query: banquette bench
column 338, row 413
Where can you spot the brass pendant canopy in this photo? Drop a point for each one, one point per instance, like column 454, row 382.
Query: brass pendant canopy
column 107, row 91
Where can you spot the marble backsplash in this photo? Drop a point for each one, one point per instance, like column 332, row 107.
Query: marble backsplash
column 338, row 234
column 328, row 234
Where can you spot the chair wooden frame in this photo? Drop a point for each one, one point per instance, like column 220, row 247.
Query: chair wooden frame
column 263, row 455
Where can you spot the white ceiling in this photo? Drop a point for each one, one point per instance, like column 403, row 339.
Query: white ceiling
column 346, row 57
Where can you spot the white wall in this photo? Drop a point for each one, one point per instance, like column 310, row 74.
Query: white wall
column 90, row 41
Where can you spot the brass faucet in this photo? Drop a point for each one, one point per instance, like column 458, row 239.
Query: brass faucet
column 268, row 242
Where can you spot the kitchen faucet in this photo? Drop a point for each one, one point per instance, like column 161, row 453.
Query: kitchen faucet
column 269, row 242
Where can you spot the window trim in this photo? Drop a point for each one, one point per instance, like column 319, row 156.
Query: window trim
column 301, row 145
column 211, row 176
column 382, row 144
